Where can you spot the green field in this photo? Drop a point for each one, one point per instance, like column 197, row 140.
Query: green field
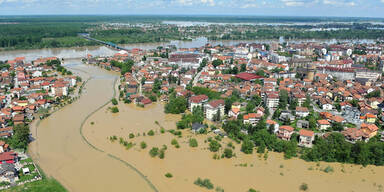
column 45, row 185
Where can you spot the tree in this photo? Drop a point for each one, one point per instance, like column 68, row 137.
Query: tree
column 243, row 67
column 214, row 146
column 154, row 152
column 114, row 101
column 143, row 145
column 283, row 100
column 217, row 116
column 193, row 142
column 20, row 138
column 293, row 104
column 217, row 62
column 176, row 105
column 247, row 146
column 228, row 153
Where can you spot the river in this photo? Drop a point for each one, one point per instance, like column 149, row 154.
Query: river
column 62, row 152
column 80, row 52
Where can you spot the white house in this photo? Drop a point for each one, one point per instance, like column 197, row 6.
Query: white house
column 306, row 138
column 197, row 101
column 214, row 107
column 323, row 124
column 302, row 111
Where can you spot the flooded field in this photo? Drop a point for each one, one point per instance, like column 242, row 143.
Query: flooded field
column 186, row 164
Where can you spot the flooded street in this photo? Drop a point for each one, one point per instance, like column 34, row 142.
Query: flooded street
column 61, row 151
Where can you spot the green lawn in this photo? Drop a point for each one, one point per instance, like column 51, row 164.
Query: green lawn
column 45, row 185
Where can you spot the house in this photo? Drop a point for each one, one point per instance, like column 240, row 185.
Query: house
column 370, row 118
column 353, row 134
column 197, row 127
column 214, row 109
column 197, row 101
column 286, row 116
column 370, row 130
column 306, row 138
column 8, row 173
column 285, row 132
column 8, row 157
column 323, row 124
column 301, row 124
column 252, row 118
column 272, row 100
column 3, row 147
column 234, row 113
column 272, row 125
column 302, row 112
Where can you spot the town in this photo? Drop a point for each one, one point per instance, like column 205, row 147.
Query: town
column 308, row 94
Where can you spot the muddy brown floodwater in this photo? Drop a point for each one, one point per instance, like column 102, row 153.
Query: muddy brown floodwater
column 86, row 160
column 61, row 151
column 186, row 164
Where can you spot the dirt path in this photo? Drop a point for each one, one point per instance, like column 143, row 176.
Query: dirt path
column 63, row 153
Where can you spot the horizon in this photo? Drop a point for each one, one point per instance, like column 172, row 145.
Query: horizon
column 281, row 8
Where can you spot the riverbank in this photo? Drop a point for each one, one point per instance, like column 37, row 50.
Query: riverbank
column 186, row 164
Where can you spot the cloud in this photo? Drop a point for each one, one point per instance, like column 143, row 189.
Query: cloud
column 293, row 3
column 340, row 3
column 195, row 2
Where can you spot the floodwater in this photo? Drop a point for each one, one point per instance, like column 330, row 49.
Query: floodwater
column 81, row 52
column 60, row 150
column 186, row 164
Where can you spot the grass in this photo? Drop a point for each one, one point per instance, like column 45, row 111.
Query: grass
column 44, row 185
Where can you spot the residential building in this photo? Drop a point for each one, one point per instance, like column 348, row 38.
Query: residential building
column 214, row 108
column 285, row 132
column 197, row 101
column 306, row 138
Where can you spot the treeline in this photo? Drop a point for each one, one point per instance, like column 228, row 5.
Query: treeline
column 301, row 34
column 332, row 148
column 137, row 35
column 42, row 35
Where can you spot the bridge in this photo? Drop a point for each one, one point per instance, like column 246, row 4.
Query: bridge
column 108, row 44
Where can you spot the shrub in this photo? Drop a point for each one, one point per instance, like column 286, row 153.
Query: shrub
column 114, row 109
column 168, row 175
column 219, row 189
column 113, row 138
column 154, row 152
column 228, row 153
column 92, row 123
column 162, row 154
column 174, row 142
column 131, row 135
column 214, row 146
column 151, row 133
column 143, row 145
column 193, row 142
column 328, row 169
column 252, row 190
column 303, row 187
column 162, row 130
column 204, row 183
column 114, row 101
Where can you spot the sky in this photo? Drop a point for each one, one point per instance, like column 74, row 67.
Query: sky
column 341, row 8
